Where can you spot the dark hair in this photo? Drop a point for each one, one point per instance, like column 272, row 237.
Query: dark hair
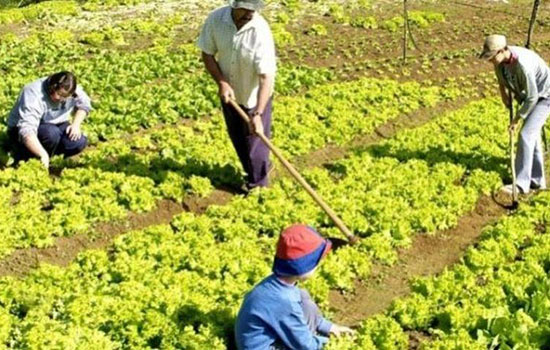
column 61, row 81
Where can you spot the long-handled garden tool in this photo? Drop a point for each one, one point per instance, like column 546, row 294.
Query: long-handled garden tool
column 352, row 239
column 515, row 201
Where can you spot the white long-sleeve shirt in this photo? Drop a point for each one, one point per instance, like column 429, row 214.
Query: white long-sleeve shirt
column 528, row 77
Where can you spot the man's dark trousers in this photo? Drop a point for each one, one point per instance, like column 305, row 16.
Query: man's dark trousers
column 252, row 152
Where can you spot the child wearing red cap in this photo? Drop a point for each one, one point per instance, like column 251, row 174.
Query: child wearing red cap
column 277, row 314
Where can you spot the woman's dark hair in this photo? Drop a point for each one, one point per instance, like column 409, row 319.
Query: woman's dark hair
column 61, row 81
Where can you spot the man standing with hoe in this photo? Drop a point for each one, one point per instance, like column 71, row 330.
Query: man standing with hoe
column 239, row 52
column 245, row 73
column 523, row 74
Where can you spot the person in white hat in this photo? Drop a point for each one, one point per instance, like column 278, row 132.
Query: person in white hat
column 523, row 73
column 239, row 52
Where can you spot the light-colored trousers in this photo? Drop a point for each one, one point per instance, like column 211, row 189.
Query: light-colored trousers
column 530, row 154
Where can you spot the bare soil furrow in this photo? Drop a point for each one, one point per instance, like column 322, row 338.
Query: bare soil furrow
column 428, row 255
column 65, row 249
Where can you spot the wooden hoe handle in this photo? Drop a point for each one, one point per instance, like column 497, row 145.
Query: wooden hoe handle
column 352, row 239
column 512, row 155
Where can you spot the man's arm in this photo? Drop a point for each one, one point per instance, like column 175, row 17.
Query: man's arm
column 82, row 100
column 266, row 67
column 212, row 67
column 323, row 325
column 207, row 44
column 530, row 82
column 295, row 334
column 264, row 94
column 504, row 95
column 83, row 106
column 225, row 91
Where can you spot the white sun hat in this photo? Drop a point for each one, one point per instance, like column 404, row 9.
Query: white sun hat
column 253, row 5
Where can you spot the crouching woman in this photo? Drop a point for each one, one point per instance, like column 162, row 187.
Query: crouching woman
column 277, row 314
column 39, row 124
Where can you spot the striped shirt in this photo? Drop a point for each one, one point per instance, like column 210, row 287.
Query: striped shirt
column 528, row 76
column 34, row 106
column 242, row 54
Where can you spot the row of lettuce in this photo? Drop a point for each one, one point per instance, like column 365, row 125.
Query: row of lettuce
column 156, row 80
column 58, row 9
column 160, row 287
column 123, row 175
column 350, row 13
column 130, row 91
column 497, row 298
column 94, row 24
column 138, row 90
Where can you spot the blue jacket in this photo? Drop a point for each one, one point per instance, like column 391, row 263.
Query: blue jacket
column 272, row 314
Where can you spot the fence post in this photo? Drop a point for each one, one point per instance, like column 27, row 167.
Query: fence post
column 536, row 5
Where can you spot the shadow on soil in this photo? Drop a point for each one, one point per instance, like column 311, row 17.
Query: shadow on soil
column 436, row 155
column 157, row 169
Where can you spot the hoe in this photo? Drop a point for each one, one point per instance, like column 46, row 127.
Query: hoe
column 351, row 238
column 515, row 202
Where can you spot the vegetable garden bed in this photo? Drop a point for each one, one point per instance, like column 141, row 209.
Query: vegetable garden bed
column 150, row 191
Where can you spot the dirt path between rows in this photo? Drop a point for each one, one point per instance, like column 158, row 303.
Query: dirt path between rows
column 387, row 130
column 428, row 255
column 65, row 249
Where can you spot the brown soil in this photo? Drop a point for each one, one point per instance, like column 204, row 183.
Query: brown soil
column 13, row 28
column 356, row 52
column 417, row 338
column 461, row 29
column 65, row 249
column 428, row 255
column 199, row 205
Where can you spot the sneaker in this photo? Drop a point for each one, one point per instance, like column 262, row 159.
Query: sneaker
column 509, row 189
column 535, row 186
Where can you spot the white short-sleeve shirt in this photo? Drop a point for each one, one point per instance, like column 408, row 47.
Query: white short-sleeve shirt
column 241, row 54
